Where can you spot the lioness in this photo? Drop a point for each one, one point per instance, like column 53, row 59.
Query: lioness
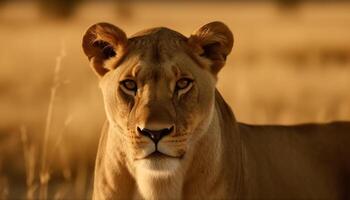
column 170, row 135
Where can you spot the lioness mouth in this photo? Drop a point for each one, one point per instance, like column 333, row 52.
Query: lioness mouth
column 156, row 154
column 159, row 155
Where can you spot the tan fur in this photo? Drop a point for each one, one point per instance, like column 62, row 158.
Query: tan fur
column 208, row 155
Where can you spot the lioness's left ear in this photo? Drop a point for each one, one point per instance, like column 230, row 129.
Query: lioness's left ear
column 213, row 41
column 101, row 42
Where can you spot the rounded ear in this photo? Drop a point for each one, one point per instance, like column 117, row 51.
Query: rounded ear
column 213, row 41
column 101, row 42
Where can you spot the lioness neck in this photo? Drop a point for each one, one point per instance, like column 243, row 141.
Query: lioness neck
column 216, row 165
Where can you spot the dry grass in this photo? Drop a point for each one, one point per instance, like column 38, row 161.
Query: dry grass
column 29, row 152
column 45, row 167
column 286, row 68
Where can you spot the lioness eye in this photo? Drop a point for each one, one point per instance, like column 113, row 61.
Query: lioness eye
column 129, row 85
column 183, row 83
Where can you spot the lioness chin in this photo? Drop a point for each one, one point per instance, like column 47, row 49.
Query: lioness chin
column 170, row 135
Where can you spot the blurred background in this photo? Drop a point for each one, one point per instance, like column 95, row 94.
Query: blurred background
column 290, row 64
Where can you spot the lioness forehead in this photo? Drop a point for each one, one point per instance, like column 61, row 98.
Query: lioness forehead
column 157, row 43
column 157, row 52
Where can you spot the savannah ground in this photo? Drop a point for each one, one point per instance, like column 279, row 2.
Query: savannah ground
column 289, row 65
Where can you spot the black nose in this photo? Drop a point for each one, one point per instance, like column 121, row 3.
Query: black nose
column 155, row 135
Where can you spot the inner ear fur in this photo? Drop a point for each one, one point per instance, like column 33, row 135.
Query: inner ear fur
column 101, row 42
column 213, row 41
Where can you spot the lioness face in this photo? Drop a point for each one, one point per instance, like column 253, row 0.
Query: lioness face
column 158, row 105
column 158, row 88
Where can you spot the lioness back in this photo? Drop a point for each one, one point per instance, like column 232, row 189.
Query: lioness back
column 309, row 161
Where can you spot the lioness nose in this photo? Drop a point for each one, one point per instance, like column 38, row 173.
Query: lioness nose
column 155, row 135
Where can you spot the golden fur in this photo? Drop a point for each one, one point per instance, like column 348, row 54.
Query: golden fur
column 206, row 154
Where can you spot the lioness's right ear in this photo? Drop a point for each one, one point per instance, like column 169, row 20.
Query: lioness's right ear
column 101, row 42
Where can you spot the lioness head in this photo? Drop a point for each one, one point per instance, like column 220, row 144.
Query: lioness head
column 158, row 87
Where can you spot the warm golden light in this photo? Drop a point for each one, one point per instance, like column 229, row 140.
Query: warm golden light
column 290, row 64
